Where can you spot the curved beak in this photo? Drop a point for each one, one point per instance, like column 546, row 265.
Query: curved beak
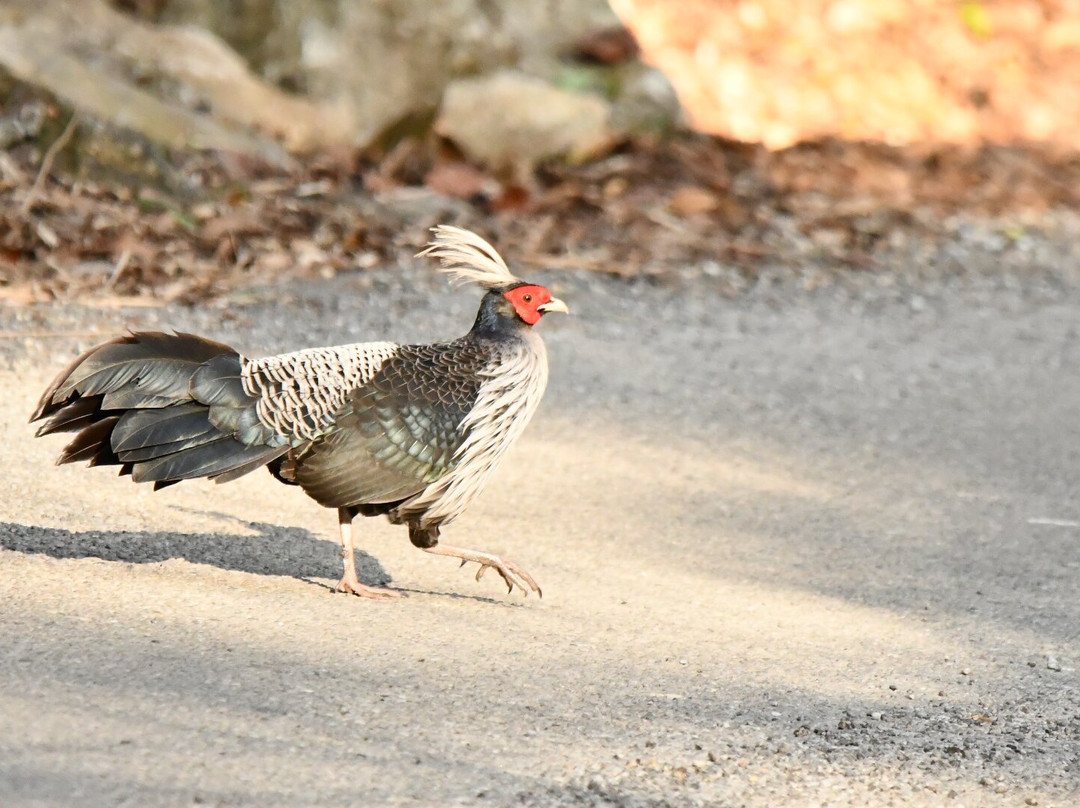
column 553, row 305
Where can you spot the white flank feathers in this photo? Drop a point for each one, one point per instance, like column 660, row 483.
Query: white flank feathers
column 467, row 258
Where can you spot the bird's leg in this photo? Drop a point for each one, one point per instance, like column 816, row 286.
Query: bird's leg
column 349, row 581
column 427, row 539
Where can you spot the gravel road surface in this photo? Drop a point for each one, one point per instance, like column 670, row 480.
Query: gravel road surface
column 798, row 548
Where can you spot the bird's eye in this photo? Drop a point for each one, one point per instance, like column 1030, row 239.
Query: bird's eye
column 527, row 298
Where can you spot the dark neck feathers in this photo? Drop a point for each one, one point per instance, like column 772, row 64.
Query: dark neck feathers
column 497, row 318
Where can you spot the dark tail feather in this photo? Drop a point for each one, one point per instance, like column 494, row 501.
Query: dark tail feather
column 139, row 369
column 71, row 417
column 146, row 434
column 209, row 460
column 239, row 471
column 92, row 444
column 163, row 407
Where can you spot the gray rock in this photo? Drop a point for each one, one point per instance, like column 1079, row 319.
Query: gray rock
column 510, row 119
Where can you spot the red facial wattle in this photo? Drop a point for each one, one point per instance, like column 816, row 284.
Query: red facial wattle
column 527, row 301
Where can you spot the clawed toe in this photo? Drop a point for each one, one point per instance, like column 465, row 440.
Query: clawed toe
column 362, row 591
column 512, row 576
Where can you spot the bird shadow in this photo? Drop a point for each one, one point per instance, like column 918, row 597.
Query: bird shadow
column 368, row 568
column 406, row 590
column 269, row 550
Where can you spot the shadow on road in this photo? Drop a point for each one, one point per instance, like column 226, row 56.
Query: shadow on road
column 272, row 550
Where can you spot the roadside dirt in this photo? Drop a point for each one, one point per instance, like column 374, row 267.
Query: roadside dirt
column 796, row 549
column 688, row 206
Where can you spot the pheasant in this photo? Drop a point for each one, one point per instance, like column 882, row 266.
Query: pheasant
column 411, row 432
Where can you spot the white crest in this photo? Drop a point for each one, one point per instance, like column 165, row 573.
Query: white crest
column 468, row 258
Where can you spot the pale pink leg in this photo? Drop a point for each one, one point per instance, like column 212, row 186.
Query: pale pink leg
column 349, row 582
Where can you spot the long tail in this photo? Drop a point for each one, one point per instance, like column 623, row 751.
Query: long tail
column 164, row 407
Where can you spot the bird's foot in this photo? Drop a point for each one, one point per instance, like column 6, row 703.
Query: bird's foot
column 354, row 587
column 511, row 573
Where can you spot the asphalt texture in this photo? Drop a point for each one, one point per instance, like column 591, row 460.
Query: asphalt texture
column 797, row 548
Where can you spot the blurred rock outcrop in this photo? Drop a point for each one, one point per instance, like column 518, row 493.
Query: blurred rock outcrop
column 211, row 74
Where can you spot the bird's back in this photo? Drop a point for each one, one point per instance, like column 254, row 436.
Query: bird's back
column 300, row 394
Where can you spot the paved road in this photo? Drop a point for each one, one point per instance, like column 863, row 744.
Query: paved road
column 795, row 549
